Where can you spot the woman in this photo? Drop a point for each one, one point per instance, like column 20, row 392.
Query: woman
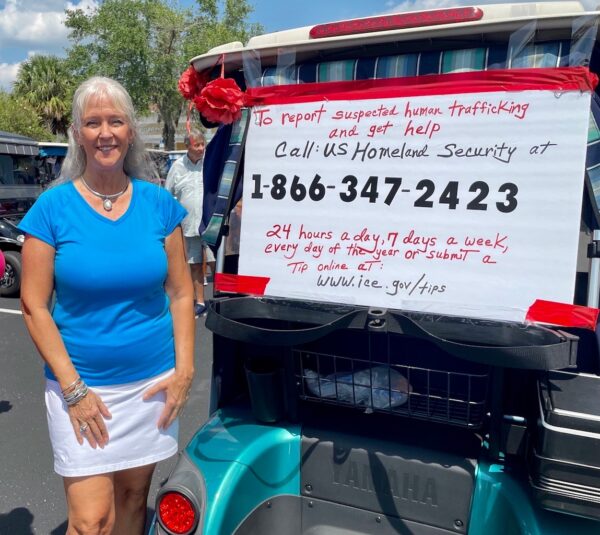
column 118, row 344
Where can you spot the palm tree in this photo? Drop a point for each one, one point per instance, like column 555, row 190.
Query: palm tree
column 46, row 84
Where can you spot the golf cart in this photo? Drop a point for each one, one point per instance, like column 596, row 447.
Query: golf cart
column 406, row 343
column 19, row 187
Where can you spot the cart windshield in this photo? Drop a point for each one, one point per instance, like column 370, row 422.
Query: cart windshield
column 19, row 173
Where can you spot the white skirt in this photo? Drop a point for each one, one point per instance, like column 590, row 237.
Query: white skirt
column 133, row 437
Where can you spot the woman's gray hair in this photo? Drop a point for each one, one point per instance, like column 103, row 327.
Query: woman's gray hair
column 137, row 161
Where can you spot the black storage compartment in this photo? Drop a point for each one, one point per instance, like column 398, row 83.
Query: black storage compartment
column 393, row 374
column 426, row 367
column 565, row 459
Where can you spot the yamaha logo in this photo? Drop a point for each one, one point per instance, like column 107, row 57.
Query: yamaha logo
column 387, row 481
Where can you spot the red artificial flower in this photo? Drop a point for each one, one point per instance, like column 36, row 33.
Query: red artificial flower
column 191, row 83
column 220, row 101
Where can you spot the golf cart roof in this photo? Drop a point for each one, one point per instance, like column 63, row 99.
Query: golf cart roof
column 393, row 27
column 17, row 144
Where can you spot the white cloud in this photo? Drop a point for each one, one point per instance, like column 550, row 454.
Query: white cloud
column 8, row 73
column 37, row 25
column 33, row 26
column 22, row 27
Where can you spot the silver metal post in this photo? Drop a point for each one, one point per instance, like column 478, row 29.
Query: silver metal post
column 594, row 278
column 220, row 260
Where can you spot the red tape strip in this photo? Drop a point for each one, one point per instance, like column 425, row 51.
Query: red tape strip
column 242, row 284
column 559, row 79
column 563, row 314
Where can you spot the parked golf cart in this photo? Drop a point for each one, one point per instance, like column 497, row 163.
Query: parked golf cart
column 404, row 344
column 19, row 187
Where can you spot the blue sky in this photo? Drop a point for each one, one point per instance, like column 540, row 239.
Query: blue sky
column 30, row 27
column 274, row 15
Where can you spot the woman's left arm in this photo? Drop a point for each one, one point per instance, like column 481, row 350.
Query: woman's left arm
column 181, row 295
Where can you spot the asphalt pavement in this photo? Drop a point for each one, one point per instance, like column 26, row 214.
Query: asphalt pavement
column 31, row 494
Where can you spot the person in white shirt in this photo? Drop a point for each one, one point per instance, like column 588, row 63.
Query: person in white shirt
column 185, row 183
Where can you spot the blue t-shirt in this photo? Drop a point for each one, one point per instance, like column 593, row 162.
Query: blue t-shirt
column 111, row 307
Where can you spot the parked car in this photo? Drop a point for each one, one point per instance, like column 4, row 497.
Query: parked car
column 2, row 263
column 11, row 241
column 399, row 350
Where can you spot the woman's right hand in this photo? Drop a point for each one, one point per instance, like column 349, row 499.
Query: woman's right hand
column 87, row 418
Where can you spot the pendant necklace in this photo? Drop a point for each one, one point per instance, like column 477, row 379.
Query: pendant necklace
column 106, row 199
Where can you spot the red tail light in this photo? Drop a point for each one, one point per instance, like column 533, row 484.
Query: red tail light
column 397, row 22
column 177, row 513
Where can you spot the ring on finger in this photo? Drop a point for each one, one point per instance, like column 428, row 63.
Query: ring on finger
column 83, row 427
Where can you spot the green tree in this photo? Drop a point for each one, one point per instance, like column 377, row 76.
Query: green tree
column 218, row 23
column 19, row 117
column 146, row 45
column 46, row 84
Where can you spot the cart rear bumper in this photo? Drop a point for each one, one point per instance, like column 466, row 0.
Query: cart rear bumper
column 255, row 480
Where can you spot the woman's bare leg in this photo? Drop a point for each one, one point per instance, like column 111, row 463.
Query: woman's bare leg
column 131, row 496
column 90, row 503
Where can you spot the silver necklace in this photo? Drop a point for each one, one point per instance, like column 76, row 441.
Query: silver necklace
column 106, row 199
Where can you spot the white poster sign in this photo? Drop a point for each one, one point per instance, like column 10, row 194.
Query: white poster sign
column 464, row 204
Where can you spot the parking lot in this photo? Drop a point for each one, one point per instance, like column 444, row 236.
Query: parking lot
column 31, row 494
